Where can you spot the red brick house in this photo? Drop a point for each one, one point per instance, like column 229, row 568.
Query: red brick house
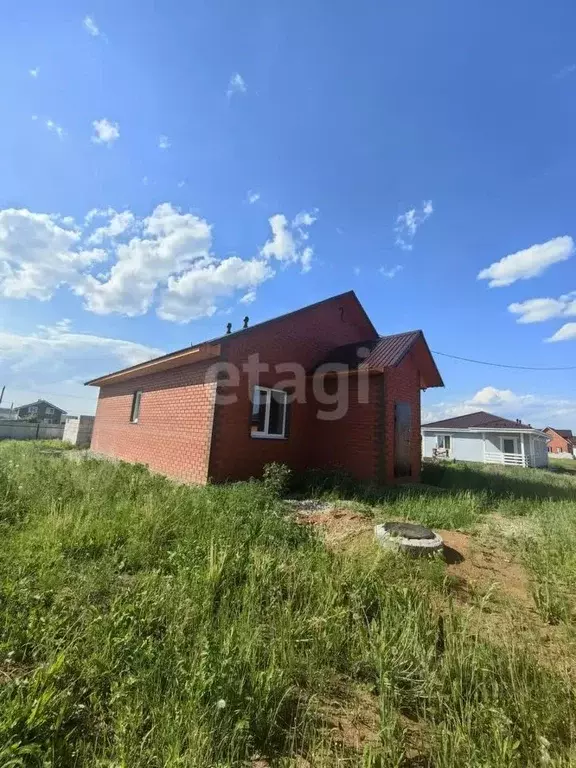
column 331, row 393
column 561, row 442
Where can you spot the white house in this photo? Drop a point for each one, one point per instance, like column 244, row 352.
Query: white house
column 487, row 438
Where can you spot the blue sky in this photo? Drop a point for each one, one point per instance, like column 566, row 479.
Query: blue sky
column 256, row 157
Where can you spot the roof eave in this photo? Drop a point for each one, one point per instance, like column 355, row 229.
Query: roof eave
column 187, row 356
column 480, row 430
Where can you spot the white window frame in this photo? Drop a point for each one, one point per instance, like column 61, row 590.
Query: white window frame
column 443, row 438
column 33, row 409
column 516, row 440
column 136, row 398
column 49, row 411
column 265, row 435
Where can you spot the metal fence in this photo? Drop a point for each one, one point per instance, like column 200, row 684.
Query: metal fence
column 22, row 430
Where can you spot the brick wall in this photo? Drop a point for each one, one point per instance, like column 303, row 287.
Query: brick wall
column 353, row 443
column 558, row 444
column 402, row 385
column 174, row 427
column 304, row 338
column 181, row 434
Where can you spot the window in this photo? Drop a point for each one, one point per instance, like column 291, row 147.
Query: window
column 49, row 411
column 135, row 412
column 269, row 410
column 509, row 445
column 444, row 441
column 33, row 409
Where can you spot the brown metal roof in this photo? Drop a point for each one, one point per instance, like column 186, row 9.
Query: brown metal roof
column 373, row 353
column 390, row 350
column 385, row 352
column 478, row 419
column 565, row 433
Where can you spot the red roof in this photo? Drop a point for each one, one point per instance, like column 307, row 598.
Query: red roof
column 565, row 433
column 478, row 419
column 385, row 352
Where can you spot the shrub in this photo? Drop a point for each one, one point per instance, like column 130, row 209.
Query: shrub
column 276, row 478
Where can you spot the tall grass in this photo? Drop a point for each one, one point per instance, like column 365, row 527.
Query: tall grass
column 144, row 623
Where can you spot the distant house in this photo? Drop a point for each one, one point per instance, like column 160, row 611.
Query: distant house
column 486, row 438
column 561, row 442
column 40, row 411
column 329, row 393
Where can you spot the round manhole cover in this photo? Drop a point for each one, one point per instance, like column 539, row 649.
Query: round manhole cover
column 408, row 537
column 409, row 531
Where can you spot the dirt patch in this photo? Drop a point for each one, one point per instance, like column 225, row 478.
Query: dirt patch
column 352, row 718
column 482, row 568
column 478, row 567
column 336, row 525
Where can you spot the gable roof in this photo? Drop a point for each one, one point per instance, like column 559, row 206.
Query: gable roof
column 37, row 402
column 478, row 419
column 211, row 347
column 384, row 352
column 565, row 433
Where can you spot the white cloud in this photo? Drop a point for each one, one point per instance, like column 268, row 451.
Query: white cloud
column 392, row 272
column 356, row 271
column 566, row 333
column 253, row 197
column 287, row 242
column 165, row 260
column 408, row 223
column 90, row 26
column 537, row 410
column 196, row 293
column 528, row 263
column 248, row 298
column 118, row 224
column 34, row 72
column 569, row 69
column 105, row 131
column 181, row 184
column 37, row 254
column 236, row 85
column 496, row 397
column 51, row 348
column 164, row 142
column 172, row 243
column 57, row 359
column 57, row 129
column 538, row 310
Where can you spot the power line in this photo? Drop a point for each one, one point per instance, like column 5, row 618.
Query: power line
column 503, row 365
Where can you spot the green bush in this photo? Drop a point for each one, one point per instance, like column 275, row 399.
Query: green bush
column 276, row 478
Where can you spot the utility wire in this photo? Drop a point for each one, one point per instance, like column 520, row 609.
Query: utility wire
column 503, row 365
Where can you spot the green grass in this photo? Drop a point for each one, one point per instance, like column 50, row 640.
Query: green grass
column 565, row 465
column 144, row 623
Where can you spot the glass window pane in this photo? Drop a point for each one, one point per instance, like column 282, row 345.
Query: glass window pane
column 277, row 410
column 258, row 421
column 447, row 441
column 509, row 445
column 135, row 406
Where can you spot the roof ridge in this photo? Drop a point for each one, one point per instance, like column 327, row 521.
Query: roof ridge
column 40, row 400
column 242, row 332
column 402, row 333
